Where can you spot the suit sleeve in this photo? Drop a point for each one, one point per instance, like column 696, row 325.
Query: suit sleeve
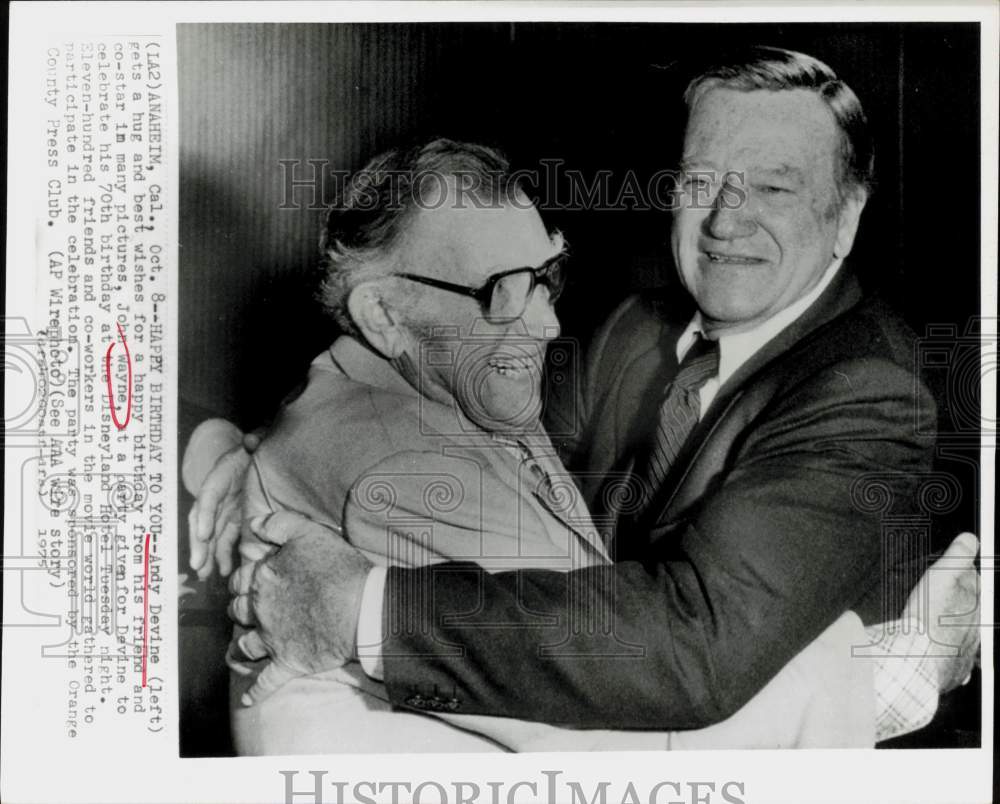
column 771, row 557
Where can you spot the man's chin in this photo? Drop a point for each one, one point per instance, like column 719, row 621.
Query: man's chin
column 511, row 414
column 731, row 315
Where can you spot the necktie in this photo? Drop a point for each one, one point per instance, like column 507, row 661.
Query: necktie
column 679, row 413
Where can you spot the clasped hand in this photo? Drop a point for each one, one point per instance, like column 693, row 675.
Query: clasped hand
column 301, row 601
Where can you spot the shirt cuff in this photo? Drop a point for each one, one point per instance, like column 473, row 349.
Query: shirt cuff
column 370, row 623
column 906, row 683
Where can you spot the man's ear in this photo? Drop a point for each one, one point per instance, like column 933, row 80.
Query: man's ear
column 376, row 320
column 847, row 222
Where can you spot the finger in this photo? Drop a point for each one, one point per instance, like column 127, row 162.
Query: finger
column 230, row 509
column 255, row 550
column 239, row 581
column 236, row 662
column 282, row 526
column 227, row 515
column 264, row 578
column 206, row 504
column 224, row 547
column 274, row 676
column 251, row 441
column 218, row 486
column 252, row 645
column 210, row 440
column 183, row 588
column 207, row 563
column 274, row 528
column 196, row 545
column 258, row 524
column 205, row 570
column 240, row 611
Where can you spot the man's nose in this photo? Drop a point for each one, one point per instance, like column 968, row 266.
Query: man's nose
column 540, row 316
column 730, row 216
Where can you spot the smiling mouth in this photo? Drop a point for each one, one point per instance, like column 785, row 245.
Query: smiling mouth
column 731, row 259
column 512, row 366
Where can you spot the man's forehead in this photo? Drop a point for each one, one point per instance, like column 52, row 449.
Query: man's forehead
column 471, row 241
column 778, row 131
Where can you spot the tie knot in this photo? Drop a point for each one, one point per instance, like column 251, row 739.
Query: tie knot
column 699, row 365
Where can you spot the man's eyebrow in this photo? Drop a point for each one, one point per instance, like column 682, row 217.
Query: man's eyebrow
column 499, row 269
column 563, row 252
column 783, row 169
column 695, row 163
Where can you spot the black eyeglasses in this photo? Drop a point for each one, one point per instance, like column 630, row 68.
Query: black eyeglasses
column 504, row 297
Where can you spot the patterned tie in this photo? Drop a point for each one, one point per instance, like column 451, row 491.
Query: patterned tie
column 679, row 414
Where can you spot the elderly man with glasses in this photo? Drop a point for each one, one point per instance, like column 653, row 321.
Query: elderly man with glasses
column 418, row 430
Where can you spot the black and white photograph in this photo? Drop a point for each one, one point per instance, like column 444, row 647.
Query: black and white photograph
column 490, row 402
column 579, row 386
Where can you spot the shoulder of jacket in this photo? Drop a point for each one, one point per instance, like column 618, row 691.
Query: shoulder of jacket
column 871, row 330
column 638, row 322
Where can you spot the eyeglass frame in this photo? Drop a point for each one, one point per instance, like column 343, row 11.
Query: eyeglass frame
column 484, row 293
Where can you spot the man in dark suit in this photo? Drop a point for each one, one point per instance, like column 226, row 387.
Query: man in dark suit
column 732, row 442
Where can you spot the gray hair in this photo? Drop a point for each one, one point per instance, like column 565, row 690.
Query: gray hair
column 776, row 69
column 362, row 232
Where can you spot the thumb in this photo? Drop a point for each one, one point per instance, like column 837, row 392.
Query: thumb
column 272, row 678
column 964, row 546
column 280, row 527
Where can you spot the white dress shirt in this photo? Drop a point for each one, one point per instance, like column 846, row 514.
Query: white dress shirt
column 735, row 350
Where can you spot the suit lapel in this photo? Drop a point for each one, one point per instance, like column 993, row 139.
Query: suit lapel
column 640, row 392
column 843, row 294
column 577, row 521
column 573, row 515
column 635, row 402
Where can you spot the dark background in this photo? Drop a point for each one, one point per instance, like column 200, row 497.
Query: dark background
column 598, row 96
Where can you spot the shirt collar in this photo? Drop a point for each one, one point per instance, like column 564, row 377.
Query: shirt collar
column 737, row 349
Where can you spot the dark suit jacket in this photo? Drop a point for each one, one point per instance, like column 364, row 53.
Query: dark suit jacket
column 763, row 534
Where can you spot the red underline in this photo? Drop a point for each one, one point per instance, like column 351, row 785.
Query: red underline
column 111, row 395
column 145, row 610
